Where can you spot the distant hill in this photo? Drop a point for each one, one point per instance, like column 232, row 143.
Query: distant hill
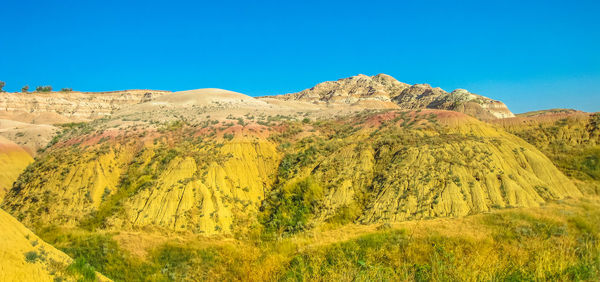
column 546, row 112
column 73, row 106
column 384, row 90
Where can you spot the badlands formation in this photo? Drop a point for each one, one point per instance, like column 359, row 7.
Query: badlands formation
column 203, row 160
column 359, row 151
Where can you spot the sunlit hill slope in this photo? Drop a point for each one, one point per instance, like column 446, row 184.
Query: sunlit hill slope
column 209, row 176
column 363, row 178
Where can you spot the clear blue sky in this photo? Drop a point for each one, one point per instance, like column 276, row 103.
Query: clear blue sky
column 529, row 54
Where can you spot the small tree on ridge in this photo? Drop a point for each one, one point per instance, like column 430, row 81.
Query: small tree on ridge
column 46, row 88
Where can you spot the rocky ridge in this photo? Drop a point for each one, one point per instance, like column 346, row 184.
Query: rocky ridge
column 385, row 90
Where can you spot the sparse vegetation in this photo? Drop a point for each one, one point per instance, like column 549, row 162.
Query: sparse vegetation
column 31, row 256
column 292, row 208
column 46, row 88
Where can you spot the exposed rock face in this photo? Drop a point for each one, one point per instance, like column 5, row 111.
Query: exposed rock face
column 404, row 171
column 385, row 88
column 61, row 107
column 351, row 90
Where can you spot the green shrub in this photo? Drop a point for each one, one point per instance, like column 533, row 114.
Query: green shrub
column 46, row 88
column 31, row 256
column 292, row 206
column 97, row 252
column 292, row 162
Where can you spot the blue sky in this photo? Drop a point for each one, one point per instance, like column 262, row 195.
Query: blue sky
column 529, row 54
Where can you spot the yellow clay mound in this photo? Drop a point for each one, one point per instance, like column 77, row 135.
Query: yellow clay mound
column 13, row 160
column 25, row 257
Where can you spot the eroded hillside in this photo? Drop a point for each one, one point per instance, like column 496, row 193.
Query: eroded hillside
column 214, row 173
column 571, row 139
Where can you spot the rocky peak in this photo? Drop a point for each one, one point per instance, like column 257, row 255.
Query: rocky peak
column 385, row 88
column 358, row 76
column 459, row 91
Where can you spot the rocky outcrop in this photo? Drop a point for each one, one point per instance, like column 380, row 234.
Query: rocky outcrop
column 351, row 90
column 61, row 107
column 384, row 88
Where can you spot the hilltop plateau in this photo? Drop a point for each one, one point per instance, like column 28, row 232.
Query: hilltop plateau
column 71, row 106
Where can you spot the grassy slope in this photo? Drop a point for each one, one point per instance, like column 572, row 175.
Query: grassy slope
column 558, row 241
